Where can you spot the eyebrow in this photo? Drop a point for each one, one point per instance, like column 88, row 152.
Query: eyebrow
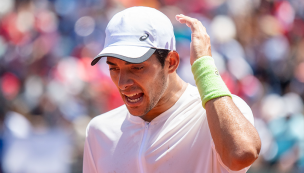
column 111, row 63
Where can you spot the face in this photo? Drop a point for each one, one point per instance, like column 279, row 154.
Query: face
column 141, row 86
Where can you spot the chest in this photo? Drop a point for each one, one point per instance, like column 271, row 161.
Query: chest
column 175, row 144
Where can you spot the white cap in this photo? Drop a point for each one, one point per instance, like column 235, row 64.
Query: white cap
column 135, row 33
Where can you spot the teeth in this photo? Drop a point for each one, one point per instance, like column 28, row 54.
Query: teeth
column 131, row 95
column 135, row 100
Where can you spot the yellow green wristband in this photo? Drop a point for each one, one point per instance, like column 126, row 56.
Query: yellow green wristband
column 208, row 80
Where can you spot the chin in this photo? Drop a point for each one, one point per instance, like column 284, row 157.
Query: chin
column 137, row 109
column 135, row 112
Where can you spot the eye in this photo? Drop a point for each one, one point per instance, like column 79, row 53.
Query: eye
column 113, row 69
column 138, row 68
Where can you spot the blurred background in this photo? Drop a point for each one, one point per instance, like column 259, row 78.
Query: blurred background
column 49, row 92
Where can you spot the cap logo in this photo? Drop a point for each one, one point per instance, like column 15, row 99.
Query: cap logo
column 144, row 37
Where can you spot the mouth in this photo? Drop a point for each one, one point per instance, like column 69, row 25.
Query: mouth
column 133, row 99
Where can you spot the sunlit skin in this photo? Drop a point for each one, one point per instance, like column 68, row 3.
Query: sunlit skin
column 157, row 87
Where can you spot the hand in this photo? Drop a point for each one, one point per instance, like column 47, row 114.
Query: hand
column 200, row 40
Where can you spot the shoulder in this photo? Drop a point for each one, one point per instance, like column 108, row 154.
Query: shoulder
column 111, row 118
column 193, row 92
column 244, row 108
column 191, row 98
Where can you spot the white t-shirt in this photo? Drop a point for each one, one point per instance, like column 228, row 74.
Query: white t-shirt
column 178, row 140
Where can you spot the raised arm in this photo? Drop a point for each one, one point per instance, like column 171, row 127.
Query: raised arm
column 235, row 138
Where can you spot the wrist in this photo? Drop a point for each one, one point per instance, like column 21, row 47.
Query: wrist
column 208, row 79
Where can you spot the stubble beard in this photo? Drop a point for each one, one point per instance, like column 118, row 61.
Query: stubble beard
column 157, row 96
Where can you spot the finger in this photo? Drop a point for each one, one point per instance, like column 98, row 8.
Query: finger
column 186, row 19
column 193, row 23
column 196, row 29
column 182, row 20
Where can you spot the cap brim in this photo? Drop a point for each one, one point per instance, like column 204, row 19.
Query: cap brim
column 132, row 54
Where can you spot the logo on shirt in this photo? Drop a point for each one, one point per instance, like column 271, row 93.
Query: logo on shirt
column 144, row 37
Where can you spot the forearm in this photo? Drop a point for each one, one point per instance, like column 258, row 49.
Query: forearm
column 235, row 138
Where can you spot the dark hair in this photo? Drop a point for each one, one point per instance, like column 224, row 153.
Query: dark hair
column 161, row 55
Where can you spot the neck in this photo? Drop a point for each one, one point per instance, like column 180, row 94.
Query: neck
column 175, row 89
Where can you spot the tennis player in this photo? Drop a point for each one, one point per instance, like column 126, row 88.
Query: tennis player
column 167, row 125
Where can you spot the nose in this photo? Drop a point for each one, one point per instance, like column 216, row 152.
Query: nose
column 125, row 81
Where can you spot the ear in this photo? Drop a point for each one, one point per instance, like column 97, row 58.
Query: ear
column 173, row 61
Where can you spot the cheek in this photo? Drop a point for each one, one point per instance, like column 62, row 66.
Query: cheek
column 156, row 85
column 114, row 78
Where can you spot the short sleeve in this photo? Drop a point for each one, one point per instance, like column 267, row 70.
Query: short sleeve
column 88, row 161
column 244, row 108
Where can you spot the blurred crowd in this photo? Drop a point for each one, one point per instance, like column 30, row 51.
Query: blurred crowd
column 49, row 91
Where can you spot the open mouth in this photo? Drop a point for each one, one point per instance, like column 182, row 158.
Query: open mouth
column 134, row 98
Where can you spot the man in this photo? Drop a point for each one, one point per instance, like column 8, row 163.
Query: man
column 167, row 125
